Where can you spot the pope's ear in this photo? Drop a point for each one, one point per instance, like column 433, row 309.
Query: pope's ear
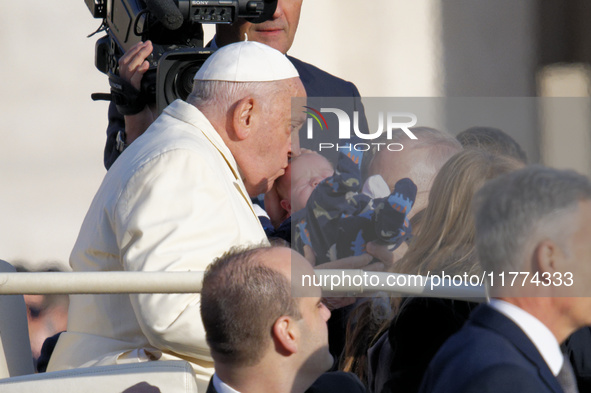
column 242, row 117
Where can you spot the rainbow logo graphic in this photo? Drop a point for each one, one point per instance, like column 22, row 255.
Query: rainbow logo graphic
column 317, row 116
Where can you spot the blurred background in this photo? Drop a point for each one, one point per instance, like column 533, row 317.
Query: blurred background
column 52, row 135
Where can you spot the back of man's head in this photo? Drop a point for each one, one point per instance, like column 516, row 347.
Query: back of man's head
column 441, row 147
column 240, row 301
column 516, row 211
column 493, row 140
column 419, row 159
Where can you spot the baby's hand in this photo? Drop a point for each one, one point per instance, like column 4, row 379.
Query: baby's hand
column 383, row 252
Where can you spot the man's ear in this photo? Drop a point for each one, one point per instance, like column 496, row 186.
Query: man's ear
column 286, row 335
column 242, row 117
column 547, row 257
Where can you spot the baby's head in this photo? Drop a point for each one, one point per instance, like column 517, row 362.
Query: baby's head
column 301, row 177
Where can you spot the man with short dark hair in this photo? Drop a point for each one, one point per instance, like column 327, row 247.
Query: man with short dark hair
column 533, row 223
column 261, row 338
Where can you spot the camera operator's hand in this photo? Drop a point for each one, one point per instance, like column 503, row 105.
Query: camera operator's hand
column 133, row 64
column 132, row 67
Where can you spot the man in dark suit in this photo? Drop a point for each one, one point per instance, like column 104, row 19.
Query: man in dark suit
column 535, row 221
column 261, row 338
column 278, row 32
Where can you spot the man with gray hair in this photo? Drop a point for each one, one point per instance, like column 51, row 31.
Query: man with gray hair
column 532, row 237
column 175, row 200
column 419, row 160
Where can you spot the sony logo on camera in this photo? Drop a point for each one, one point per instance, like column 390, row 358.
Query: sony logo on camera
column 174, row 27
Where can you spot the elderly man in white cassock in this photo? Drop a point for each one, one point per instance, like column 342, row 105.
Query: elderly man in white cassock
column 177, row 198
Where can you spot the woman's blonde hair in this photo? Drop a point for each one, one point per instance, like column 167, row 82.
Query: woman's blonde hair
column 445, row 239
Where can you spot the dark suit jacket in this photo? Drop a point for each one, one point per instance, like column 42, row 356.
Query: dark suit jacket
column 489, row 354
column 332, row 382
column 337, row 382
column 578, row 349
column 399, row 360
column 210, row 388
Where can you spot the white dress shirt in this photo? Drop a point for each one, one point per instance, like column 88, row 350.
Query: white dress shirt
column 221, row 387
column 538, row 333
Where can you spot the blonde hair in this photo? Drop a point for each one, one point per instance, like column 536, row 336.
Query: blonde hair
column 445, row 240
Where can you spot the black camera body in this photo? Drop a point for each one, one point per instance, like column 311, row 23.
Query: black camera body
column 175, row 29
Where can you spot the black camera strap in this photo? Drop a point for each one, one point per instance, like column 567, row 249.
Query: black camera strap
column 128, row 99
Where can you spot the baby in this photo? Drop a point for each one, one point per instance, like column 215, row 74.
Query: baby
column 332, row 213
column 291, row 192
column 304, row 173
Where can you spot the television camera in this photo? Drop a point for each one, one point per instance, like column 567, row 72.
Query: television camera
column 175, row 29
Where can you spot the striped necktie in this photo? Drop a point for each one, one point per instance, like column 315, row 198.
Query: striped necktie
column 566, row 377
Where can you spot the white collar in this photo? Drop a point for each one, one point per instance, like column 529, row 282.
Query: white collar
column 538, row 333
column 221, row 387
column 190, row 114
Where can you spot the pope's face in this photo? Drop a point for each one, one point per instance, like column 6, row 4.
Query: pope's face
column 271, row 141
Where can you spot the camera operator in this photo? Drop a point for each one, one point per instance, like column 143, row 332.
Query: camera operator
column 278, row 32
